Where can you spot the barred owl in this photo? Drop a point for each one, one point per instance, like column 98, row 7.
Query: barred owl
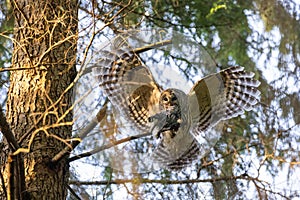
column 176, row 120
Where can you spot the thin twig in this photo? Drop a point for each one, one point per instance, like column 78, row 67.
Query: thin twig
column 151, row 46
column 107, row 146
column 73, row 192
column 77, row 139
column 138, row 51
column 167, row 182
column 11, row 178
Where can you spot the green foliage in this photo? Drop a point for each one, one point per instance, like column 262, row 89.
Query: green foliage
column 6, row 28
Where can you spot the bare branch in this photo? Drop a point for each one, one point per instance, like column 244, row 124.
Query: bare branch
column 73, row 192
column 5, row 129
column 139, row 50
column 3, row 185
column 107, row 146
column 10, row 191
column 16, row 168
column 81, row 135
column 164, row 181
column 152, row 46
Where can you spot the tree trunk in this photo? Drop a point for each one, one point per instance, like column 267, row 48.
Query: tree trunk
column 40, row 96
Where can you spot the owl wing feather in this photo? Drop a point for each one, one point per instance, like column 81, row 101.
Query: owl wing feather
column 129, row 85
column 221, row 96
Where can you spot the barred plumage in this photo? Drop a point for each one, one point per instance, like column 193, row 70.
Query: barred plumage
column 222, row 96
column 176, row 120
column 129, row 85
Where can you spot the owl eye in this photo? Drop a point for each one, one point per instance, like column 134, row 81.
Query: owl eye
column 165, row 98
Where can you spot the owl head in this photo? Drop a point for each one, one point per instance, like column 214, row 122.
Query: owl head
column 172, row 99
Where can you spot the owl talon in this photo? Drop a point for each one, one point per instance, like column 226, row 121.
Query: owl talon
column 152, row 118
column 159, row 116
column 158, row 135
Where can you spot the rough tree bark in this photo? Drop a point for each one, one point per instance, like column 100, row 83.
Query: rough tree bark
column 39, row 98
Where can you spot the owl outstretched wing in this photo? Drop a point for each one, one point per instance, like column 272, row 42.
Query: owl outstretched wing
column 221, row 96
column 134, row 94
column 129, row 85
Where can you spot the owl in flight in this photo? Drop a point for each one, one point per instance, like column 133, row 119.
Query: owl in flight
column 176, row 120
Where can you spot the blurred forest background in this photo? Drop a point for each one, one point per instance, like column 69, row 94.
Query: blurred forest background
column 258, row 154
